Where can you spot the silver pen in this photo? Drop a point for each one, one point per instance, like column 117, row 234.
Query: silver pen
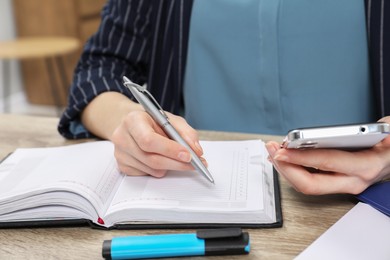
column 152, row 107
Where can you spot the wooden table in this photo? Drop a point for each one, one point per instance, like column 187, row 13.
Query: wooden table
column 305, row 217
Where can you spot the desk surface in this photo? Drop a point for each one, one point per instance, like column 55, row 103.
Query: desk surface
column 305, row 217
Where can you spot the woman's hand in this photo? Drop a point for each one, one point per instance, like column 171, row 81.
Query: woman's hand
column 141, row 146
column 324, row 171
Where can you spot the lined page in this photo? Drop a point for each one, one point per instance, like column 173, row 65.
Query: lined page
column 88, row 168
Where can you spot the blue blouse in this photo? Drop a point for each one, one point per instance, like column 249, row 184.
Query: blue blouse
column 267, row 66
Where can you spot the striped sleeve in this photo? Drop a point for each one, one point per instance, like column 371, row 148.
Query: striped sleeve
column 378, row 28
column 121, row 46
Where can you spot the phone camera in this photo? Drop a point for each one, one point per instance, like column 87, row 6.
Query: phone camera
column 363, row 129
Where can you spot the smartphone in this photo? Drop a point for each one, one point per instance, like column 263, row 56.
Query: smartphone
column 354, row 136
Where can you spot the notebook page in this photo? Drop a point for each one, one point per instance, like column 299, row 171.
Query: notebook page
column 88, row 168
column 362, row 233
column 240, row 184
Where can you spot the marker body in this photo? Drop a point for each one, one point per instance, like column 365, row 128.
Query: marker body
column 167, row 245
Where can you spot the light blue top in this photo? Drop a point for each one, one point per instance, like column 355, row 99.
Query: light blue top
column 267, row 66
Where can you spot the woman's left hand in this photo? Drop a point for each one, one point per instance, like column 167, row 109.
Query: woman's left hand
column 325, row 171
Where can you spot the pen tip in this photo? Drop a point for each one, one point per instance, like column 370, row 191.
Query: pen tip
column 211, row 179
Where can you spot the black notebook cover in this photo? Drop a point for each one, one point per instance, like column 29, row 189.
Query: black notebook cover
column 83, row 222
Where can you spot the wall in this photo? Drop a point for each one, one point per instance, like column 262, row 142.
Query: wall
column 7, row 32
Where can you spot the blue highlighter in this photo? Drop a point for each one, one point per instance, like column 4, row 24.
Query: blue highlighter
column 224, row 241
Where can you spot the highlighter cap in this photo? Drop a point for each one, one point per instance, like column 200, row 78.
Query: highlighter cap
column 225, row 241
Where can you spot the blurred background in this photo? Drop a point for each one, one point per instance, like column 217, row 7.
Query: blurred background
column 29, row 82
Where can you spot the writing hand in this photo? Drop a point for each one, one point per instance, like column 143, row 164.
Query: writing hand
column 142, row 147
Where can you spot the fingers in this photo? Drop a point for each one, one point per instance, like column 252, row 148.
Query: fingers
column 318, row 183
column 153, row 139
column 332, row 160
column 143, row 148
column 385, row 119
column 385, row 142
column 342, row 175
column 189, row 134
column 324, row 171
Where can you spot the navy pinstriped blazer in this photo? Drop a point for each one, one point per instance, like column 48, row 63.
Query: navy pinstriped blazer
column 147, row 41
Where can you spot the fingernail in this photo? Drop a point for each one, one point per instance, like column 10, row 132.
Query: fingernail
column 204, row 161
column 197, row 145
column 271, row 149
column 184, row 156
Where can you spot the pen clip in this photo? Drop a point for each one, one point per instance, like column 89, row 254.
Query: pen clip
column 144, row 91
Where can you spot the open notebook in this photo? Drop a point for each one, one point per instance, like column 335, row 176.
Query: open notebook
column 81, row 183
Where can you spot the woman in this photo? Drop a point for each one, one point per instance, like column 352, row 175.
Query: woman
column 270, row 65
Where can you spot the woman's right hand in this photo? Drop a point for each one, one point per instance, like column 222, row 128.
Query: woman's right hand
column 142, row 147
